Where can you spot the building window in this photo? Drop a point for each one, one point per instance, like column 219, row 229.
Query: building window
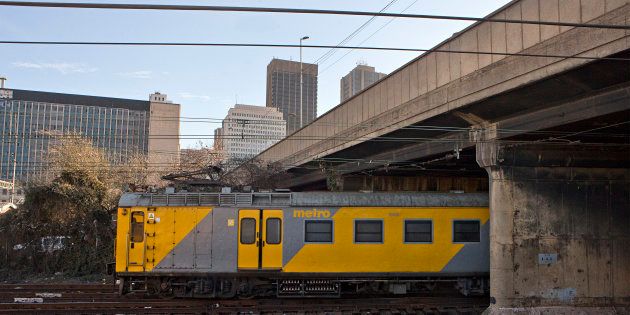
column 368, row 231
column 274, row 231
column 465, row 231
column 318, row 231
column 248, row 231
column 418, row 231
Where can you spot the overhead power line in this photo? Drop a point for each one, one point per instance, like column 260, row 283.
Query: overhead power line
column 207, row 44
column 172, row 7
column 367, row 38
column 332, row 51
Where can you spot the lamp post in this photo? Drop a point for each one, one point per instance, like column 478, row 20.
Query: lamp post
column 301, row 81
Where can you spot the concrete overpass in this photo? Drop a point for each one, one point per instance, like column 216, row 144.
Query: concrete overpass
column 464, row 90
column 546, row 136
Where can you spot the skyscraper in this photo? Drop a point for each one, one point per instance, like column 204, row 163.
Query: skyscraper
column 358, row 79
column 248, row 130
column 31, row 120
column 283, row 91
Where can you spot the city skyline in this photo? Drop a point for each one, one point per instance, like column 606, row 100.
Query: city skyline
column 32, row 120
column 208, row 81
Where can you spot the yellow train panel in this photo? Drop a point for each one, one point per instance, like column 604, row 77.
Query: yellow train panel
column 161, row 229
column 393, row 254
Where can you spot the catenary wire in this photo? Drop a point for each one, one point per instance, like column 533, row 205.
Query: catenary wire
column 249, row 122
column 209, row 44
column 170, row 7
column 258, row 123
column 332, row 51
column 367, row 38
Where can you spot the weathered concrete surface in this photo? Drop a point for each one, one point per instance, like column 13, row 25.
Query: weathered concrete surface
column 437, row 82
column 569, row 201
column 414, row 183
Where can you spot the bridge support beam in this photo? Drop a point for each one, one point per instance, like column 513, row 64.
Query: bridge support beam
column 559, row 228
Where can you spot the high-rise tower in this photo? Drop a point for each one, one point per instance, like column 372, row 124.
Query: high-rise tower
column 283, row 91
column 358, row 79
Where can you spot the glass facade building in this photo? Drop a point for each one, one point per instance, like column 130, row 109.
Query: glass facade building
column 32, row 120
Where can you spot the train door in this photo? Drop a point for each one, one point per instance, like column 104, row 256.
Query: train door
column 136, row 250
column 260, row 239
column 271, row 239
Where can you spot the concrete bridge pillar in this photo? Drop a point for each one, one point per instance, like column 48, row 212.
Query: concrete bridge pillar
column 559, row 228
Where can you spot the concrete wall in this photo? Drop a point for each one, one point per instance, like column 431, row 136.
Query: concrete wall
column 439, row 82
column 545, row 200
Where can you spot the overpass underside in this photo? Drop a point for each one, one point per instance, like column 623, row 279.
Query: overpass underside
column 588, row 105
column 547, row 137
column 554, row 156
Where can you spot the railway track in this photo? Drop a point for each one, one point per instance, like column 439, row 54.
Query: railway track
column 103, row 299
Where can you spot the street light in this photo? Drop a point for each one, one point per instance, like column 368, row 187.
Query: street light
column 301, row 80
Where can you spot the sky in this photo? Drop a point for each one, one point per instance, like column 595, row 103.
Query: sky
column 207, row 81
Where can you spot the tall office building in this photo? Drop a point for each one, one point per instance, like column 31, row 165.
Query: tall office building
column 31, row 120
column 358, row 79
column 283, row 91
column 218, row 139
column 248, row 130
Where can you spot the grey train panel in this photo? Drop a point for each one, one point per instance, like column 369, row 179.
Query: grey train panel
column 310, row 199
column 474, row 257
column 224, row 240
column 203, row 242
column 356, row 199
column 183, row 253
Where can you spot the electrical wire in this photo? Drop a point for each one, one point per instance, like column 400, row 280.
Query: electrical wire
column 367, row 38
column 208, row 44
column 170, row 7
column 332, row 51
column 255, row 122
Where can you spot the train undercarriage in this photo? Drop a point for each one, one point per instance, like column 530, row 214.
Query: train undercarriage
column 244, row 287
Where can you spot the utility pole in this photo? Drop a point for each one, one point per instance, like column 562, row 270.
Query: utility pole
column 301, row 81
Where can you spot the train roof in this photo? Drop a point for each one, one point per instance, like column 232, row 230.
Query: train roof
column 308, row 199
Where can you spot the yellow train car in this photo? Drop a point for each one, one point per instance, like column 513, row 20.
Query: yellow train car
column 301, row 244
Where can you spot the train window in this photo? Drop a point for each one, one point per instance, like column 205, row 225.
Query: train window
column 137, row 226
column 465, row 231
column 248, row 231
column 368, row 231
column 418, row 231
column 274, row 231
column 318, row 231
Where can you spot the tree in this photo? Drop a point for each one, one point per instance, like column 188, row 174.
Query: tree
column 74, row 203
column 200, row 157
column 255, row 173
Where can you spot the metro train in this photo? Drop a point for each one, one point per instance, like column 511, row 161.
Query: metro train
column 301, row 244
